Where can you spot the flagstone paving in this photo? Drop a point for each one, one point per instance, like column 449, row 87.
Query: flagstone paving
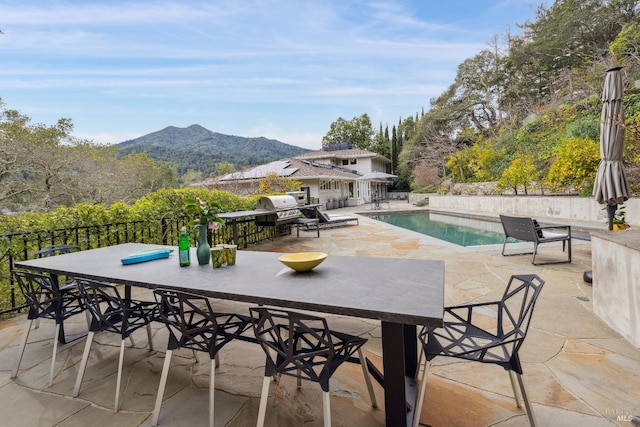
column 577, row 370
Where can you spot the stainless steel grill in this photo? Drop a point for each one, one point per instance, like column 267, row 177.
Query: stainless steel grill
column 277, row 210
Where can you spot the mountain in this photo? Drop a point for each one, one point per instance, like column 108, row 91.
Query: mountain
column 200, row 149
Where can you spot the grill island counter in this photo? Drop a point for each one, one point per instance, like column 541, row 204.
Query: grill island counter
column 270, row 211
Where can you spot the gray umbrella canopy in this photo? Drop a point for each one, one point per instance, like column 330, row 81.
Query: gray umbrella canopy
column 611, row 187
column 376, row 176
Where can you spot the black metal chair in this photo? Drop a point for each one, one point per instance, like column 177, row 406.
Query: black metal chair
column 193, row 324
column 111, row 313
column 462, row 338
column 46, row 301
column 56, row 250
column 303, row 347
column 63, row 282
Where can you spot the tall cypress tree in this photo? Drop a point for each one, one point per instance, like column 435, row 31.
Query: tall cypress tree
column 394, row 149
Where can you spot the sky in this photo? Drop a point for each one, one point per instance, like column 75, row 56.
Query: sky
column 282, row 69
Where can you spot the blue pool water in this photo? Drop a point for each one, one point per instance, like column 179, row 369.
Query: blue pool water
column 458, row 230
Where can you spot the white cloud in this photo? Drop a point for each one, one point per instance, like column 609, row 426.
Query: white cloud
column 283, row 69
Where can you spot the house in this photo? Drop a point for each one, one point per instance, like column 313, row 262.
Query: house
column 327, row 175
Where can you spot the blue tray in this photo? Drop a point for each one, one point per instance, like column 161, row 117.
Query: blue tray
column 147, row 255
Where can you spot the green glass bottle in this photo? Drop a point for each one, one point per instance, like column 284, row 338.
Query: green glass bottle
column 183, row 248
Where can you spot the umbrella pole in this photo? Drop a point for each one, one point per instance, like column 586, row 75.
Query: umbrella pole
column 611, row 211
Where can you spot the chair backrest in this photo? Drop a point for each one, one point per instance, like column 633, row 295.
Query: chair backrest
column 516, row 306
column 107, row 308
column 302, row 343
column 521, row 228
column 40, row 293
column 193, row 323
column 308, row 212
column 323, row 217
column 56, row 250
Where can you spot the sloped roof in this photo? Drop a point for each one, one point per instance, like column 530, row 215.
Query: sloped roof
column 341, row 154
column 280, row 167
column 291, row 168
column 310, row 169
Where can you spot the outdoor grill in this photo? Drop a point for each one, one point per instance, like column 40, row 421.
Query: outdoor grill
column 278, row 210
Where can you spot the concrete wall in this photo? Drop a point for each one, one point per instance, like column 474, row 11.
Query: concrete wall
column 615, row 255
column 551, row 207
column 616, row 282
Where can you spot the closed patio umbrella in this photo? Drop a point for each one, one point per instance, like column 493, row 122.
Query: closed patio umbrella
column 377, row 177
column 611, row 187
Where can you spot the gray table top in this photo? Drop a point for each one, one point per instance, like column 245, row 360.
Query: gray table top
column 406, row 291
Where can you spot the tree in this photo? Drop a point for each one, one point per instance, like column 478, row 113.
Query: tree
column 626, row 47
column 144, row 175
column 576, row 164
column 191, row 176
column 51, row 180
column 474, row 93
column 224, row 168
column 358, row 131
column 396, row 143
column 484, row 159
column 520, row 173
column 381, row 143
column 459, row 164
column 12, row 154
column 475, row 163
column 569, row 35
column 433, row 141
column 42, row 167
column 105, row 179
column 272, row 183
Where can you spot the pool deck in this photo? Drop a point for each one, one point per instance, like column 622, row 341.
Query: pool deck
column 577, row 370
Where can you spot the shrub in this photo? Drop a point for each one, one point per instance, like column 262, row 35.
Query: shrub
column 576, row 164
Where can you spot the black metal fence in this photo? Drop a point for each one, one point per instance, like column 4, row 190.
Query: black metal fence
column 22, row 246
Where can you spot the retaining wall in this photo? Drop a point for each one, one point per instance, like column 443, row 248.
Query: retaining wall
column 616, row 281
column 574, row 208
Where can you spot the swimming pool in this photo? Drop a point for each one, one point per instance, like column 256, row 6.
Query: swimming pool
column 458, row 230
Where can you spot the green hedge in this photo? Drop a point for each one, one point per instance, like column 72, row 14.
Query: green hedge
column 20, row 236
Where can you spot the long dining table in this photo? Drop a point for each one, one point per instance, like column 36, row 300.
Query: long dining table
column 401, row 293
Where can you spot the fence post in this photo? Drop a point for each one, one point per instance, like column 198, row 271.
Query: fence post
column 164, row 229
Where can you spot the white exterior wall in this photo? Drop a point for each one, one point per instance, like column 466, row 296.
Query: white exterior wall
column 313, row 187
column 378, row 166
column 368, row 189
column 362, row 165
column 363, row 191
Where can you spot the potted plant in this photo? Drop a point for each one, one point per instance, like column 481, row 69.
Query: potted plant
column 336, row 203
column 619, row 219
column 329, row 204
column 205, row 217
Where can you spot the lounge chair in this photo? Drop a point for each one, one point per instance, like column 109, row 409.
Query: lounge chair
column 326, row 220
column 528, row 230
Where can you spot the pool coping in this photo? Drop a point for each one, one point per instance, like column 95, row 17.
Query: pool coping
column 578, row 231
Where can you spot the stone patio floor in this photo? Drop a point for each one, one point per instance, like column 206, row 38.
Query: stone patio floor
column 577, row 370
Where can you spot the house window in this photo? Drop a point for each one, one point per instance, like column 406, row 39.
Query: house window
column 345, row 162
column 353, row 161
column 325, row 185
